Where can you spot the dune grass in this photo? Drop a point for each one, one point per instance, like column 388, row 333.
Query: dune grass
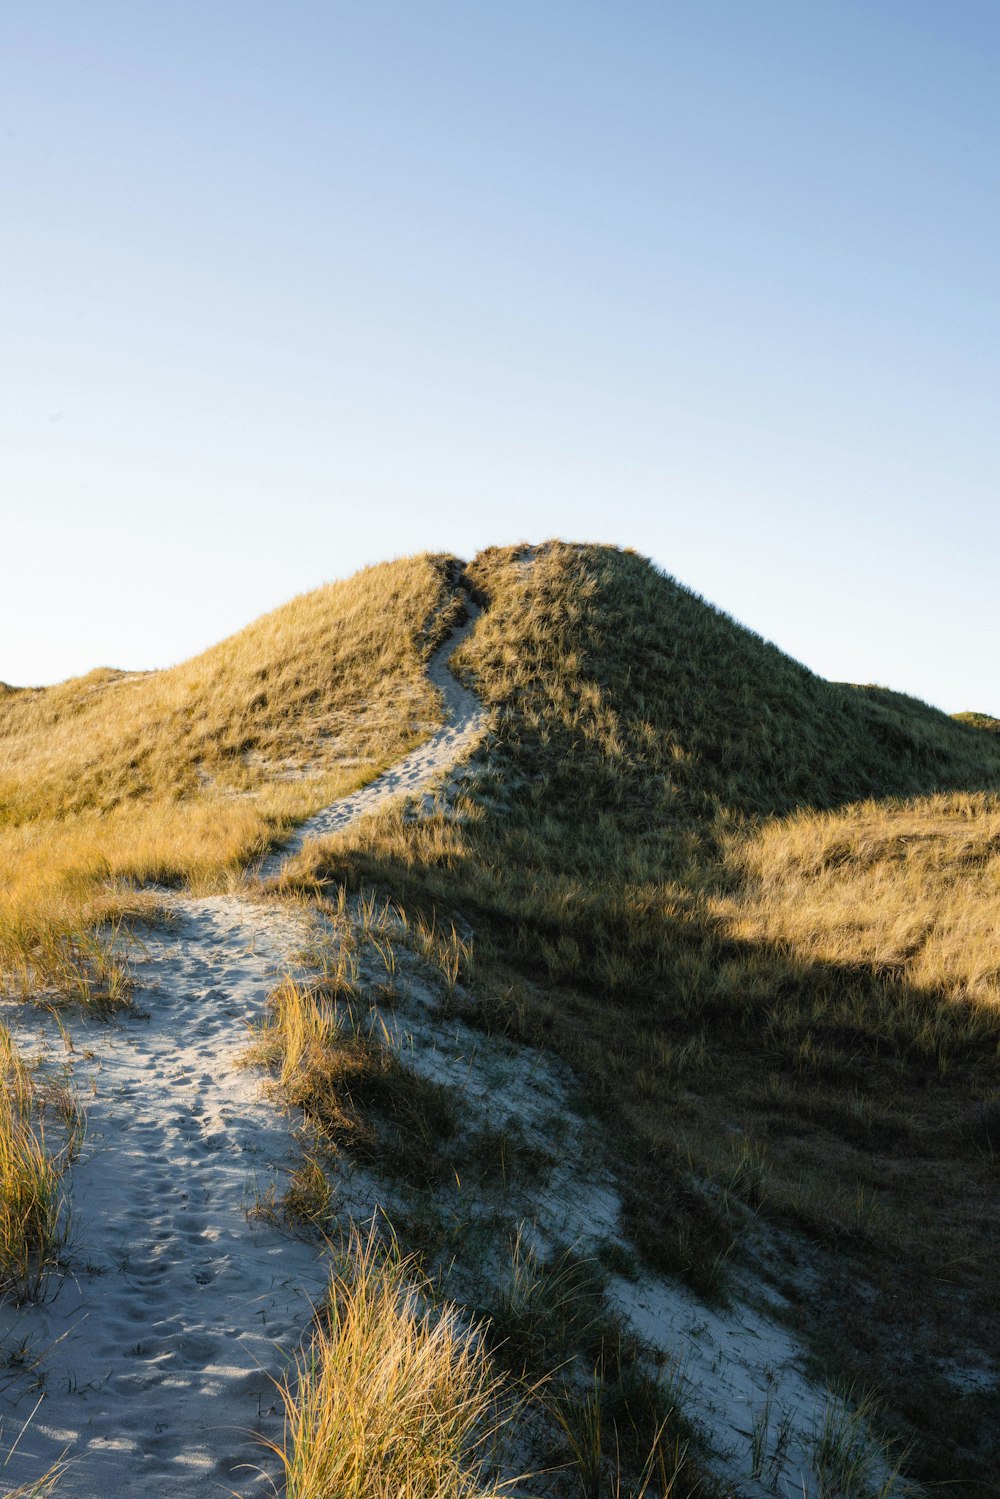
column 39, row 1129
column 394, row 1398
column 333, row 1063
column 42, row 1487
column 756, row 911
column 902, row 888
column 544, row 1318
column 115, row 780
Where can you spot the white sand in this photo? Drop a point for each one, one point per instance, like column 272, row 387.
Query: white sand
column 176, row 1313
column 155, row 1355
column 733, row 1365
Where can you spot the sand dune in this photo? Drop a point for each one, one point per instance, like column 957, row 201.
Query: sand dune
column 152, row 1364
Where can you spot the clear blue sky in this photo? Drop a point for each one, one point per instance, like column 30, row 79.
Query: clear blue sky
column 290, row 288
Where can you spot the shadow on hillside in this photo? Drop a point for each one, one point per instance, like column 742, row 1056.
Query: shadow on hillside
column 680, row 1033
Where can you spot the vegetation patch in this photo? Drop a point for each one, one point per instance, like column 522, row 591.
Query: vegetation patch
column 395, row 1397
column 352, row 1087
column 39, row 1133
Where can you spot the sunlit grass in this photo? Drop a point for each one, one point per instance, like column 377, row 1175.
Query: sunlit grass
column 394, row 1398
column 736, row 898
column 907, row 889
column 114, row 781
column 38, row 1133
column 744, row 903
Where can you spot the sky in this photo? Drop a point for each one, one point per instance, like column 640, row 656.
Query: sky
column 287, row 289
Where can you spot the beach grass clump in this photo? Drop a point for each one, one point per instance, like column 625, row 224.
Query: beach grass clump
column 336, row 1063
column 394, row 1397
column 38, row 1134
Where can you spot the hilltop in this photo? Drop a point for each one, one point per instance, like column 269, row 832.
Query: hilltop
column 750, row 911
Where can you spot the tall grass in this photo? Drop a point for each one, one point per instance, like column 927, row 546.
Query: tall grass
column 392, row 1399
column 904, row 888
column 33, row 1158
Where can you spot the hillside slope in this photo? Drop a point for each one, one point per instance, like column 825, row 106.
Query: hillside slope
column 652, row 677
column 756, row 911
column 115, row 779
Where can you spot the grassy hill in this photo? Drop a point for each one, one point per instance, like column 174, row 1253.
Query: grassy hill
column 116, row 779
column 756, row 911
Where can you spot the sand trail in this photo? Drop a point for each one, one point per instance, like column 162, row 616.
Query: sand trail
column 151, row 1363
column 176, row 1313
column 464, row 726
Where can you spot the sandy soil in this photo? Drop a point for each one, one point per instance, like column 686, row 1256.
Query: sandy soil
column 151, row 1364
column 175, row 1314
column 738, row 1373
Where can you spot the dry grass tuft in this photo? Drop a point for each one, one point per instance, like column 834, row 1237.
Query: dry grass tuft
column 32, row 1207
column 336, row 1063
column 42, row 1487
column 393, row 1399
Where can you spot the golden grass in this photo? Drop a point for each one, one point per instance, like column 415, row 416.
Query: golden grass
column 113, row 780
column 339, row 1065
column 42, row 1487
column 393, row 1399
column 744, row 902
column 32, row 1161
column 907, row 889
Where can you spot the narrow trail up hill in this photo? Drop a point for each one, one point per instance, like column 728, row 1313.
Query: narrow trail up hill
column 152, row 1362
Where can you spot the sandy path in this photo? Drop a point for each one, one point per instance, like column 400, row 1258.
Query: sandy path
column 464, row 727
column 155, row 1355
column 167, row 1331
